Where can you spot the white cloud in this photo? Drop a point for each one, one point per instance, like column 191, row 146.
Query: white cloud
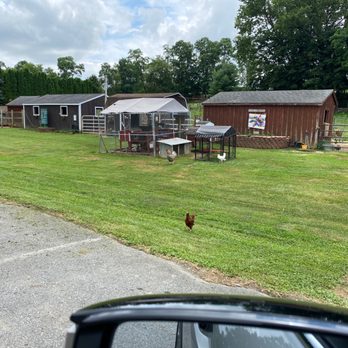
column 100, row 31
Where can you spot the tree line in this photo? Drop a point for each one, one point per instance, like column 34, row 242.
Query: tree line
column 27, row 79
column 202, row 68
column 293, row 44
column 191, row 69
column 281, row 44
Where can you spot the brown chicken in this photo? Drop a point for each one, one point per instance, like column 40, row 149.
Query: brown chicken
column 189, row 220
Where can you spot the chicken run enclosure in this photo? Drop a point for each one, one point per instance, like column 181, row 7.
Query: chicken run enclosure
column 213, row 141
column 136, row 125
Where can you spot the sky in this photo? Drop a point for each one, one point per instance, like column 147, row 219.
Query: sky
column 98, row 31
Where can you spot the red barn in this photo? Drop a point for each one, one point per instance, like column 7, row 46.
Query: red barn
column 303, row 115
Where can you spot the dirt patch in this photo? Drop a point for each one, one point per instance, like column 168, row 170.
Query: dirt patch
column 215, row 276
column 342, row 290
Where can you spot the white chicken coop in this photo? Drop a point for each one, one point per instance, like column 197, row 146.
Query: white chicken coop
column 140, row 123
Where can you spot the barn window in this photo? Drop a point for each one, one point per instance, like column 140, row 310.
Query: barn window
column 326, row 116
column 36, row 110
column 63, row 111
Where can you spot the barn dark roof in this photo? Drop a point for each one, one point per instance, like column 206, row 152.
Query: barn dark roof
column 22, row 100
column 51, row 99
column 293, row 97
column 214, row 131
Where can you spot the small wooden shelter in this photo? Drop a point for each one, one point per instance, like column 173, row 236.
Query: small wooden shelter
column 210, row 140
column 179, row 145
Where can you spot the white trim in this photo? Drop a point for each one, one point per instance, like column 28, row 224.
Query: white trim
column 67, row 111
column 86, row 101
column 38, row 107
column 23, row 115
column 80, row 118
column 95, row 110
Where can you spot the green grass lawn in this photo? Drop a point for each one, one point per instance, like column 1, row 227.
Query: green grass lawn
column 275, row 218
column 341, row 118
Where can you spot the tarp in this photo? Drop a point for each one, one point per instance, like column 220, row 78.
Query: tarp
column 145, row 106
column 214, row 131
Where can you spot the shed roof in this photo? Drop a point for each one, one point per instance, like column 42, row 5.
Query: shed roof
column 59, row 99
column 22, row 100
column 292, row 97
column 174, row 141
column 214, row 131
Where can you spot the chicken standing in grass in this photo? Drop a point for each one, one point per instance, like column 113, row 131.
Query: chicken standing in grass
column 171, row 155
column 189, row 221
column 222, row 157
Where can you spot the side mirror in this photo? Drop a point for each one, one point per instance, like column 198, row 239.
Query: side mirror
column 202, row 321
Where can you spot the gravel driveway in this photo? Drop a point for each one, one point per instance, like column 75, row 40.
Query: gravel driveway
column 50, row 268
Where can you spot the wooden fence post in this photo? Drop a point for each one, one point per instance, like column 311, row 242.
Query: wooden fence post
column 12, row 118
column 1, row 117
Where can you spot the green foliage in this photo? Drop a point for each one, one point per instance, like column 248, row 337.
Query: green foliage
column 193, row 65
column 158, row 76
column 68, row 68
column 182, row 59
column 225, row 78
column 131, row 72
column 112, row 75
column 341, row 118
column 29, row 79
column 184, row 67
column 196, row 110
column 293, row 44
column 282, row 226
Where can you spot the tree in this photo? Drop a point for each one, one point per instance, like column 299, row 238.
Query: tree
column 208, row 56
column 288, row 44
column 131, row 71
column 112, row 75
column 182, row 59
column 93, row 84
column 225, row 78
column 68, row 68
column 158, row 77
column 50, row 73
column 23, row 65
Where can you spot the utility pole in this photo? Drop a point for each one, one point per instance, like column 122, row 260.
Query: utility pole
column 105, row 89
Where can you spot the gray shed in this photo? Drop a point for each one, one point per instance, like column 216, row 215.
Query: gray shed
column 179, row 145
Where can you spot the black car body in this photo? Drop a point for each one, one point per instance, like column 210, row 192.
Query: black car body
column 191, row 321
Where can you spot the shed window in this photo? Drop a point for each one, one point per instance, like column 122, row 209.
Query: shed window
column 98, row 110
column 36, row 110
column 326, row 116
column 63, row 111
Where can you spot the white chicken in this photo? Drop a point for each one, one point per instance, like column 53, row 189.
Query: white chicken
column 222, row 157
column 171, row 155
